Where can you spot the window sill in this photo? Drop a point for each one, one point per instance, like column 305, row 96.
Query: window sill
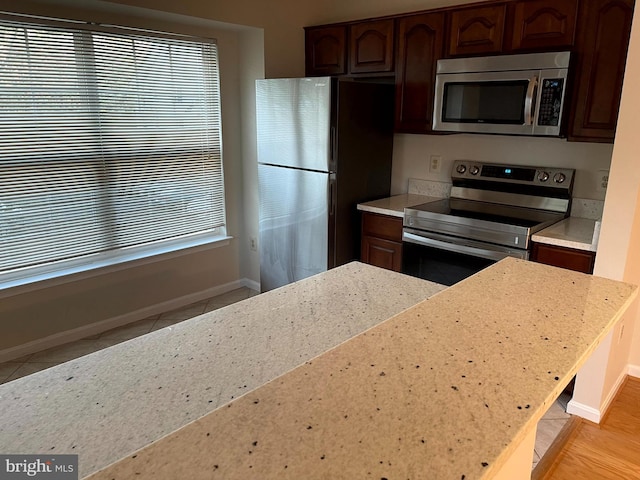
column 22, row 282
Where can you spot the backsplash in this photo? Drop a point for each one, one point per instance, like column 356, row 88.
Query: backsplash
column 430, row 188
column 586, row 208
column 412, row 153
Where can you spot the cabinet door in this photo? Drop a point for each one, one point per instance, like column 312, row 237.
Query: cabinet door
column 325, row 50
column 478, row 30
column 543, row 24
column 603, row 33
column 382, row 241
column 382, row 253
column 371, row 47
column 568, row 258
column 420, row 40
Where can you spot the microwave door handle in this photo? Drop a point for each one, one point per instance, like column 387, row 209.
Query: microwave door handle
column 528, row 101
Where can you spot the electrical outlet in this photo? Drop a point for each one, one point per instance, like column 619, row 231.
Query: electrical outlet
column 435, row 161
column 253, row 244
column 603, row 180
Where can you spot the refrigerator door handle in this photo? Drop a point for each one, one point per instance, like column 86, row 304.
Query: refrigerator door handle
column 332, row 194
column 332, row 147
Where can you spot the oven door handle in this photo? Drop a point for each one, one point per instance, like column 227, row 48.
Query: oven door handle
column 454, row 247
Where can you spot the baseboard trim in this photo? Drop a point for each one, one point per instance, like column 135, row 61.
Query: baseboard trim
column 593, row 414
column 613, row 392
column 634, row 371
column 584, row 411
column 84, row 331
column 252, row 284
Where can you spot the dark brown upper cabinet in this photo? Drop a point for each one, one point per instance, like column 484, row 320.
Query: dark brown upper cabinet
column 477, row 30
column 595, row 31
column 325, row 50
column 601, row 49
column 371, row 46
column 420, row 45
column 543, row 24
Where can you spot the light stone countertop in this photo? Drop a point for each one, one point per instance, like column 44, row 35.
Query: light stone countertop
column 447, row 389
column 394, row 206
column 108, row 404
column 572, row 232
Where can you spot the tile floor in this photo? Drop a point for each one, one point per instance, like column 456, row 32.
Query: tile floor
column 548, row 427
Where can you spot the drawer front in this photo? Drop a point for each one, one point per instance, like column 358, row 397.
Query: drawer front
column 568, row 258
column 382, row 226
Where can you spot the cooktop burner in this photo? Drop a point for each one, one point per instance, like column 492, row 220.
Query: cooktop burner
column 444, row 207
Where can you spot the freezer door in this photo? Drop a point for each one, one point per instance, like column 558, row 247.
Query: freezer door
column 293, row 229
column 293, row 122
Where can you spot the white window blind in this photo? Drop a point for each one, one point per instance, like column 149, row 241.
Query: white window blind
column 108, row 141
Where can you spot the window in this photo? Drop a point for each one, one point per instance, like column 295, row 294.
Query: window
column 110, row 142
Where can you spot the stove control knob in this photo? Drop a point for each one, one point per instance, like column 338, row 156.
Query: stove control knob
column 543, row 176
column 461, row 169
column 559, row 177
column 474, row 170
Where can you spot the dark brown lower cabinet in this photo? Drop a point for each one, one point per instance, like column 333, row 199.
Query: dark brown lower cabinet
column 382, row 241
column 382, row 253
column 569, row 258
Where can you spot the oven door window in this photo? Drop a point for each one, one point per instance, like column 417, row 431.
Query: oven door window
column 439, row 266
column 493, row 102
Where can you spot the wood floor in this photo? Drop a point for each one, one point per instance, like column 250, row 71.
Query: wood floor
column 609, row 451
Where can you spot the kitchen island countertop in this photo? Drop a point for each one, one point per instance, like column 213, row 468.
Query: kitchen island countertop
column 108, row 404
column 447, row 389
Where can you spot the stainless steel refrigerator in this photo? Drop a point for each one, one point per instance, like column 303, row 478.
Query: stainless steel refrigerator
column 324, row 145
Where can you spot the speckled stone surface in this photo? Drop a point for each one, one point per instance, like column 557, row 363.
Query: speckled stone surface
column 430, row 188
column 444, row 390
column 108, row 404
column 394, row 206
column 586, row 208
column 572, row 232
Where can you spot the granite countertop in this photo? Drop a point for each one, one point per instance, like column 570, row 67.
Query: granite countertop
column 572, row 232
column 394, row 206
column 108, row 404
column 446, row 389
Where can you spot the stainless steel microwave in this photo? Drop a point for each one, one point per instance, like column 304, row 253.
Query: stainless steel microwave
column 507, row 94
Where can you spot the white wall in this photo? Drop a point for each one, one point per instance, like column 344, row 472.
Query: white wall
column 411, row 157
column 251, row 67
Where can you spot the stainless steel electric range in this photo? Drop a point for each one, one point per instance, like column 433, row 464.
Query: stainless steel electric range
column 491, row 214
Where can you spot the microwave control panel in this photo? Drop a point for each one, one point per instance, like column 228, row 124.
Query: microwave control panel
column 550, row 102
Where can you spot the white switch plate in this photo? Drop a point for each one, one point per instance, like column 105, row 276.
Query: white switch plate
column 435, row 161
